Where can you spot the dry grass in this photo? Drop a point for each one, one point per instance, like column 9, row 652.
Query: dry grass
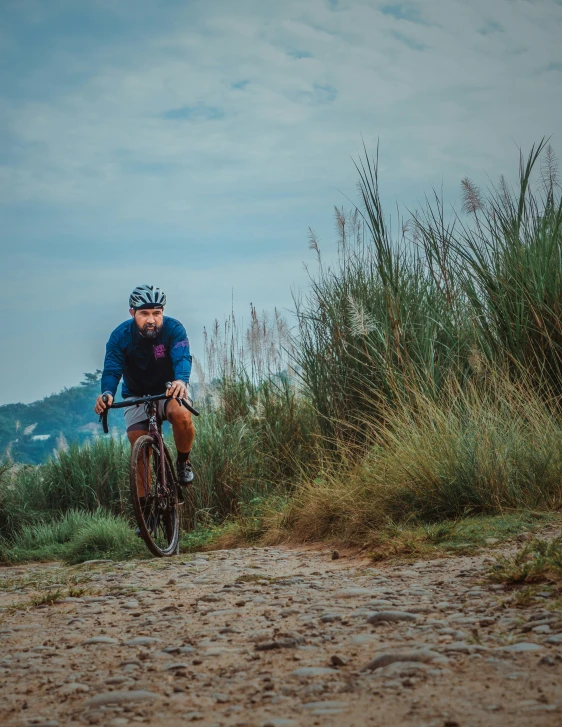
column 486, row 450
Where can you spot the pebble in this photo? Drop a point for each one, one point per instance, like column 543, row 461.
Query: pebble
column 135, row 696
column 390, row 616
column 521, row 647
column 100, row 640
column 288, row 643
column 458, row 646
column 143, row 641
column 390, row 657
column 331, row 705
column 353, row 592
column 177, row 665
column 116, row 680
column 336, row 660
column 312, row 671
column 73, row 688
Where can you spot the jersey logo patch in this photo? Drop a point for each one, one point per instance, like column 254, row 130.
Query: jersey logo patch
column 159, row 351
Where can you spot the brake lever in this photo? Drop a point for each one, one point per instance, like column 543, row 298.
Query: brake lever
column 194, row 411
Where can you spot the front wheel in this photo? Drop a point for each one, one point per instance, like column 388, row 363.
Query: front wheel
column 154, row 497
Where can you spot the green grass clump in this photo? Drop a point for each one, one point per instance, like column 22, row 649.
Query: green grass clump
column 202, row 536
column 540, row 561
column 75, row 537
column 109, row 537
column 466, row 535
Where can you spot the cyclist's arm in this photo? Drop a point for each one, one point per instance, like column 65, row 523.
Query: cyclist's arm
column 180, row 354
column 113, row 367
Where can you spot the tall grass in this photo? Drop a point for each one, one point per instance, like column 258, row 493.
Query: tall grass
column 377, row 321
column 80, row 478
column 256, row 434
column 510, row 256
column 410, row 311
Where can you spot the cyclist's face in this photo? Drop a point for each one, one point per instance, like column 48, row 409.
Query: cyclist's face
column 149, row 321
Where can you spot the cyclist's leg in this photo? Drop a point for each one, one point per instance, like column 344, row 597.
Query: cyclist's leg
column 137, row 425
column 136, row 431
column 182, row 426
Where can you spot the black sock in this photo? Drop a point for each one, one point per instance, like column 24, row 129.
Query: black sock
column 183, row 456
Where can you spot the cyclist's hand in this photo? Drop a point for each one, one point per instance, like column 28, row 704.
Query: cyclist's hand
column 178, row 389
column 101, row 405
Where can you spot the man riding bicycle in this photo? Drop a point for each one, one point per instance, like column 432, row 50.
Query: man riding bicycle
column 148, row 351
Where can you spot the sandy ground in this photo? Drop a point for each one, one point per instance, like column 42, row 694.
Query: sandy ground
column 273, row 637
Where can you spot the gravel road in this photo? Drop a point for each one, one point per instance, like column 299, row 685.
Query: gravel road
column 276, row 637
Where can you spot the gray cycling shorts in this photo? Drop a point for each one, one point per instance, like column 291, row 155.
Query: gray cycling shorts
column 136, row 419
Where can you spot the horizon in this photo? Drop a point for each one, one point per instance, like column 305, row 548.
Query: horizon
column 192, row 145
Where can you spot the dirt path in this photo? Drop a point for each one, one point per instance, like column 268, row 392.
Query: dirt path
column 272, row 636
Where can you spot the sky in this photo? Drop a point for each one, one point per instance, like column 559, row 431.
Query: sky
column 191, row 144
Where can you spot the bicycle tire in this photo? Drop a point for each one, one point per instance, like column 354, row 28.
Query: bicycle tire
column 171, row 477
column 158, row 520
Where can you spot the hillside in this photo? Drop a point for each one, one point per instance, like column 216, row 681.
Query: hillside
column 30, row 432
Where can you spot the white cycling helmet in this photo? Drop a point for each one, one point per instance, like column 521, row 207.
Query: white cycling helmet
column 147, row 296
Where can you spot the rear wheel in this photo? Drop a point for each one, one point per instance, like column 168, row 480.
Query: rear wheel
column 157, row 514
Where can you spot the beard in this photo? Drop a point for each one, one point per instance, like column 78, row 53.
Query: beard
column 149, row 330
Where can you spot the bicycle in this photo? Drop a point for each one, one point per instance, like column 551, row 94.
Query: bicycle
column 158, row 517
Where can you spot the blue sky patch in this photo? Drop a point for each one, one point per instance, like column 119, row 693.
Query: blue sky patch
column 402, row 11
column 490, row 27
column 412, row 43
column 194, row 113
column 299, row 54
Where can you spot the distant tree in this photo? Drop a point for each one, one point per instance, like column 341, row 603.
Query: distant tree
column 91, row 379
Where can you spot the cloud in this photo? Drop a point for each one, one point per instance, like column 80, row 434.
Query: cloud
column 319, row 94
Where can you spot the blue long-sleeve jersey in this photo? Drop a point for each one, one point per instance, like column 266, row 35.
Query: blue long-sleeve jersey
column 146, row 364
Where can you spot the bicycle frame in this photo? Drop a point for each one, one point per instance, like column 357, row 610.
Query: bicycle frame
column 154, row 429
